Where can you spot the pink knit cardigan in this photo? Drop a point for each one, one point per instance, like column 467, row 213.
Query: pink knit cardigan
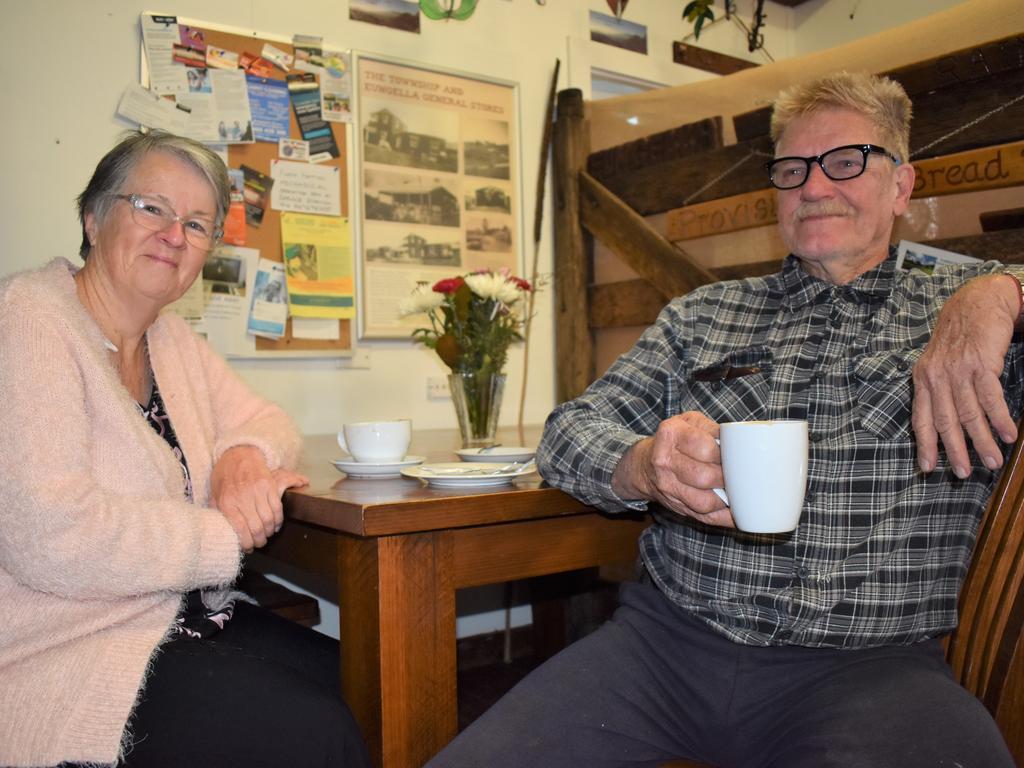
column 97, row 543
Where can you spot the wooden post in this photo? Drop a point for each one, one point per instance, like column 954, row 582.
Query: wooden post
column 573, row 250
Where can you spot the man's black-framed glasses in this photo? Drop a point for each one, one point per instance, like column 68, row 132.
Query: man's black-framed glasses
column 839, row 164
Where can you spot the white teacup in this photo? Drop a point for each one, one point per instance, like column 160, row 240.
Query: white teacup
column 765, row 467
column 376, row 442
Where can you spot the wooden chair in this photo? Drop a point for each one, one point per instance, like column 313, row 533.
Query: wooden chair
column 987, row 649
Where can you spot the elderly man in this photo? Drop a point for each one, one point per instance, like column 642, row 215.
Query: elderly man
column 821, row 647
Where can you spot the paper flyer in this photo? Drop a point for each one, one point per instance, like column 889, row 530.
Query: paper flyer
column 318, row 260
column 227, row 279
column 336, row 87
column 193, row 37
column 256, row 192
column 308, row 53
column 268, row 312
column 190, row 57
column 305, row 96
column 147, row 108
column 305, row 188
column 280, row 59
column 917, row 257
column 220, row 58
column 255, row 65
column 202, row 120
column 268, row 102
column 191, row 307
column 159, row 36
column 293, row 149
column 319, row 328
column 231, row 104
column 234, row 221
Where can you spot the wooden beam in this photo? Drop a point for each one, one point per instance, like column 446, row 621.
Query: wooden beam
column 964, row 66
column 688, row 139
column 993, row 221
column 637, row 302
column 735, row 169
column 1006, row 245
column 649, row 254
column 630, row 302
column 729, row 214
column 972, row 171
column 708, row 60
column 655, row 189
column 573, row 250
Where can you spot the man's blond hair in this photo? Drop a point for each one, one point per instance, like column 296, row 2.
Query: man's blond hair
column 879, row 99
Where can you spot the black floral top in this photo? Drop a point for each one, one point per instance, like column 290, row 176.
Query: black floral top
column 195, row 619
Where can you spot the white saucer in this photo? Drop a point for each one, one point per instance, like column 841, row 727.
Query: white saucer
column 374, row 469
column 456, row 474
column 501, row 453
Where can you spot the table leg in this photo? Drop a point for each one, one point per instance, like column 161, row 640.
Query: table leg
column 398, row 643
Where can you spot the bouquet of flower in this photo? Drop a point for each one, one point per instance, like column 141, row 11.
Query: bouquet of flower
column 473, row 318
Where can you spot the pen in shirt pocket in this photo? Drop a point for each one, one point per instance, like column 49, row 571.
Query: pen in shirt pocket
column 725, row 372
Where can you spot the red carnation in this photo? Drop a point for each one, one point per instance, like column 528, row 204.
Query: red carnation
column 449, row 285
column 523, row 285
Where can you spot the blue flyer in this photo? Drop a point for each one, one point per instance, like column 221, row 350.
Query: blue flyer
column 268, row 102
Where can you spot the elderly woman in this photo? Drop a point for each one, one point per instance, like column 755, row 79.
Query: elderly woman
column 135, row 468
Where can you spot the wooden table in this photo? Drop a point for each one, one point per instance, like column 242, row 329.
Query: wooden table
column 399, row 550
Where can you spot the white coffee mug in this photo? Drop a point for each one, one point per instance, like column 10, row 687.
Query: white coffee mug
column 377, row 442
column 765, row 468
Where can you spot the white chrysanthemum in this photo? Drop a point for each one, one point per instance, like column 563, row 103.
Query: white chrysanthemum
column 490, row 285
column 421, row 300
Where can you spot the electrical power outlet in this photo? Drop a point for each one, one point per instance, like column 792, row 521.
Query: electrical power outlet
column 437, row 388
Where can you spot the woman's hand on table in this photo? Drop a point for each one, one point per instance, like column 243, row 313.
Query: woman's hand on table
column 248, row 493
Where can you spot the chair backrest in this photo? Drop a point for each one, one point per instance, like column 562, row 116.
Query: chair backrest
column 987, row 649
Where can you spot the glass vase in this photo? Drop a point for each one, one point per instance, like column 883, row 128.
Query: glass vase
column 477, row 401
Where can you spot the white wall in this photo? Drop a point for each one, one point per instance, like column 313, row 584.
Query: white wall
column 821, row 24
column 64, row 64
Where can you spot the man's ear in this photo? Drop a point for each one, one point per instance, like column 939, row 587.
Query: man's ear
column 903, row 177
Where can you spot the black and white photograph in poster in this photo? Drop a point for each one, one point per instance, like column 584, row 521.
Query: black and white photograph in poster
column 440, row 190
column 411, row 197
column 416, row 246
column 410, row 136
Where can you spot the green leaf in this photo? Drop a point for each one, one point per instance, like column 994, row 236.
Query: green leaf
column 465, row 10
column 462, row 299
column 432, row 9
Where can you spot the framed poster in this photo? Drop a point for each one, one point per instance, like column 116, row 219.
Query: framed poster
column 437, row 183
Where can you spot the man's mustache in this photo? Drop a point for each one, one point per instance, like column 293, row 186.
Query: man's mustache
column 822, row 208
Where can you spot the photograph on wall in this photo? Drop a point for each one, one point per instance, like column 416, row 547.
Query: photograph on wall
column 618, row 32
column 438, row 180
column 397, row 14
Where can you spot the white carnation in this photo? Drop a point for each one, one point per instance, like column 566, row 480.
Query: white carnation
column 490, row 285
column 421, row 300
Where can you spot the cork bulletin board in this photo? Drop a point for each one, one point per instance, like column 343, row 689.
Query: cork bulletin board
column 266, row 237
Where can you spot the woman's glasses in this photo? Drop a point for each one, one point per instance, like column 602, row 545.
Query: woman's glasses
column 157, row 215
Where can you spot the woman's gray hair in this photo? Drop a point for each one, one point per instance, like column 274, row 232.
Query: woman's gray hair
column 115, row 167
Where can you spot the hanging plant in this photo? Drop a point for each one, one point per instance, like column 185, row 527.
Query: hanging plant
column 697, row 12
column 446, row 9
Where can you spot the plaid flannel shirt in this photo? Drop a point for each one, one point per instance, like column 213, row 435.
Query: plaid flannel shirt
column 881, row 549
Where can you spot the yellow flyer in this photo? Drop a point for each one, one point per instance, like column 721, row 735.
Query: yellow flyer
column 319, row 265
